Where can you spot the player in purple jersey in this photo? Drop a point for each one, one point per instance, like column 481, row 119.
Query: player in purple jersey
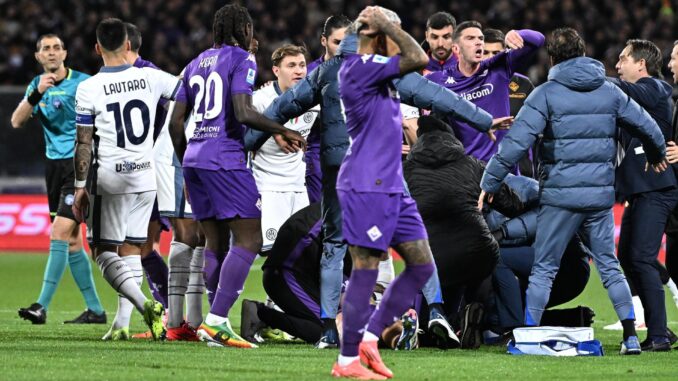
column 376, row 212
column 485, row 83
column 439, row 31
column 217, row 89
column 330, row 38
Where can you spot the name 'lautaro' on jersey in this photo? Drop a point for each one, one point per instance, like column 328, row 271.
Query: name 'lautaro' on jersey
column 124, row 86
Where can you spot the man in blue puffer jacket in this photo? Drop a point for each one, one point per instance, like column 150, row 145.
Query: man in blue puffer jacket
column 321, row 87
column 576, row 111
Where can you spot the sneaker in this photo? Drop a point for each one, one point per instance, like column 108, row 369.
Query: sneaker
column 471, row 332
column 250, row 323
column 153, row 316
column 356, row 371
column 409, row 338
column 184, row 332
column 630, row 346
column 268, row 333
column 88, row 317
column 35, row 313
column 369, row 354
column 119, row 334
column 640, row 326
column 442, row 332
column 648, row 345
column 329, row 339
column 222, row 335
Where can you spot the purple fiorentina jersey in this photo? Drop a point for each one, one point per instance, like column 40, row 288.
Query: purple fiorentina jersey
column 488, row 88
column 372, row 108
column 434, row 65
column 208, row 86
column 314, row 64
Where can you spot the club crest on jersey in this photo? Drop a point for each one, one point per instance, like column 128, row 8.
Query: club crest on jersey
column 514, row 86
column 308, row 117
column 251, row 74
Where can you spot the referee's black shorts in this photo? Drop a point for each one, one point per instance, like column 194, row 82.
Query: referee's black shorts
column 60, row 178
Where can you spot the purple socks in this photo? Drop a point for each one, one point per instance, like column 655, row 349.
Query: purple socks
column 232, row 278
column 399, row 296
column 356, row 309
column 211, row 272
column 157, row 274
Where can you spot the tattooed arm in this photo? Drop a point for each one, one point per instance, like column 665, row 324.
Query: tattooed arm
column 81, row 162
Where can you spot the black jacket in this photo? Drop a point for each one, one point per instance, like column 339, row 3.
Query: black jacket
column 445, row 184
column 654, row 96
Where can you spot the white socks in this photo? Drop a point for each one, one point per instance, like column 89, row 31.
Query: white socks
column 386, row 272
column 638, row 310
column 179, row 272
column 196, row 288
column 121, row 276
column 212, row 319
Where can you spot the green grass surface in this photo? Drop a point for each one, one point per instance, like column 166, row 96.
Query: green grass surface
column 63, row 352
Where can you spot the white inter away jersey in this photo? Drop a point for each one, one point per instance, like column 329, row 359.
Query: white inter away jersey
column 120, row 102
column 275, row 170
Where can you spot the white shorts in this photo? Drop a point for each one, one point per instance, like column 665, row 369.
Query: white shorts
column 171, row 197
column 117, row 218
column 276, row 208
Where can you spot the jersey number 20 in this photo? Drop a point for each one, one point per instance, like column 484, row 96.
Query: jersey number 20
column 213, row 86
column 123, row 121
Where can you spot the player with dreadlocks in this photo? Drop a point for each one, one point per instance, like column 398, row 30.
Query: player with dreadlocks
column 217, row 89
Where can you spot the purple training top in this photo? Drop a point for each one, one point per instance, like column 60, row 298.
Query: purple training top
column 209, row 83
column 488, row 88
column 372, row 107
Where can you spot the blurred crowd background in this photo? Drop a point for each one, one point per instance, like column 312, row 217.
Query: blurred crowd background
column 175, row 30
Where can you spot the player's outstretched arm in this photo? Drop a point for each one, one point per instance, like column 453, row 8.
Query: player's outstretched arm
column 176, row 129
column 245, row 113
column 81, row 162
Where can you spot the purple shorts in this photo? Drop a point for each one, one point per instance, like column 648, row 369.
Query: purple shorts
column 380, row 220
column 222, row 194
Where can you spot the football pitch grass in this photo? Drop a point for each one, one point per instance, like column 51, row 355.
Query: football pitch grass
column 55, row 351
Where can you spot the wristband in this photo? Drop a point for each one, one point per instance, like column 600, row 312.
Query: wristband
column 34, row 98
column 80, row 183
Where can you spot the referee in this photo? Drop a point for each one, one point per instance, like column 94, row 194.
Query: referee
column 51, row 97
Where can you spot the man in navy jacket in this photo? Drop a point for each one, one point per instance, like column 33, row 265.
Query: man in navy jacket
column 650, row 196
column 576, row 111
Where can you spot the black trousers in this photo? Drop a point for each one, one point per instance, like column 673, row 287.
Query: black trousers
column 299, row 296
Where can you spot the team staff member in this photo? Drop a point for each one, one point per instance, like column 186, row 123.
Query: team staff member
column 51, row 97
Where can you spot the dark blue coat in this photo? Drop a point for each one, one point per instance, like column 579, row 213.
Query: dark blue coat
column 576, row 110
column 654, row 96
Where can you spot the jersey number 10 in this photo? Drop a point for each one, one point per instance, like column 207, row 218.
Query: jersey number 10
column 212, row 87
column 123, row 121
